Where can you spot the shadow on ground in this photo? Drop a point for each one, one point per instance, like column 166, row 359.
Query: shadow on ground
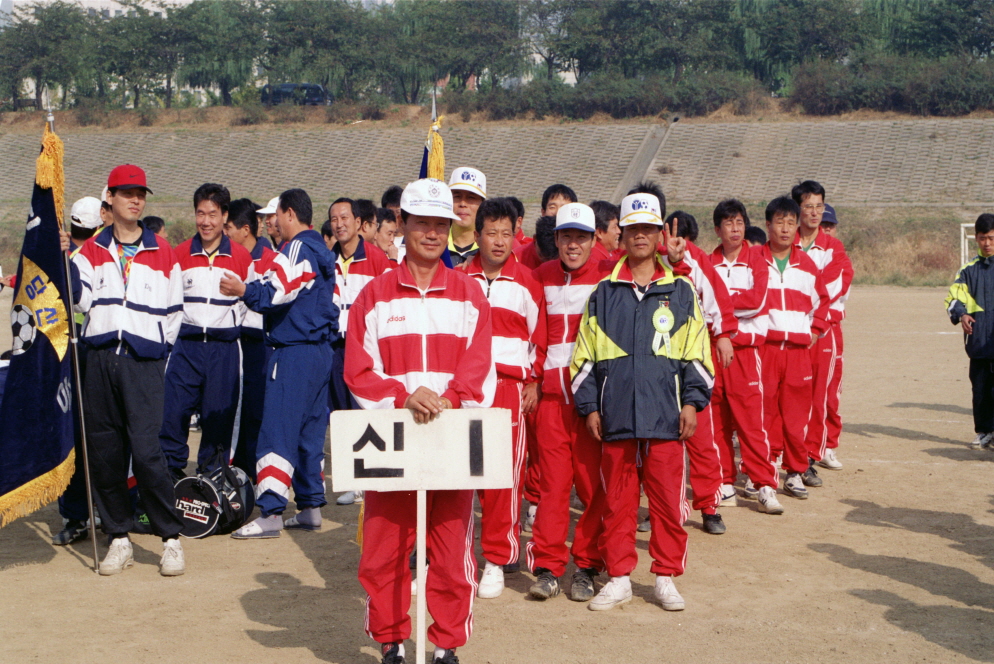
column 326, row 620
column 938, row 407
column 967, row 632
column 972, row 538
column 874, row 430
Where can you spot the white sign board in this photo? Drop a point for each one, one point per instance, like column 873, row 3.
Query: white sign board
column 385, row 450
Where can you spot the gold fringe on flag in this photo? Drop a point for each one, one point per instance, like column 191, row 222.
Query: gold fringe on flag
column 37, row 493
column 436, row 153
column 362, row 518
column 49, row 173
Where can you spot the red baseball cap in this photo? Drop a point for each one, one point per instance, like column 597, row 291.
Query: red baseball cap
column 127, row 176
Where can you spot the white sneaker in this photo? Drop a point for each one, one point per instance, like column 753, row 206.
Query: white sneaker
column 172, row 563
column 119, row 557
column 349, row 498
column 829, row 461
column 982, row 440
column 749, row 490
column 768, row 503
column 728, row 497
column 492, row 582
column 615, row 592
column 794, row 486
column 529, row 518
column 414, row 587
column 667, row 594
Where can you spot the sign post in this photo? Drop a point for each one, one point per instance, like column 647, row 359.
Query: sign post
column 385, row 450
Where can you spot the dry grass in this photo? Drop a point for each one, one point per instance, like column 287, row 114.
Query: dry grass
column 897, row 246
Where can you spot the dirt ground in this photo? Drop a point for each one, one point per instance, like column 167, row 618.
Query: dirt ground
column 891, row 561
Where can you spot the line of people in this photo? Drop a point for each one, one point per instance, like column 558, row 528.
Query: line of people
column 617, row 343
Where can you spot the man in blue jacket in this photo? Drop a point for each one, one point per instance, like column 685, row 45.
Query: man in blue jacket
column 641, row 372
column 295, row 297
column 969, row 303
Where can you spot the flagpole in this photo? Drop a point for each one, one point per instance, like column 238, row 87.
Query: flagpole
column 77, row 381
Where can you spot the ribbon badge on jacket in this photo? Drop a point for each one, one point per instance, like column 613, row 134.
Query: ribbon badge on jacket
column 662, row 321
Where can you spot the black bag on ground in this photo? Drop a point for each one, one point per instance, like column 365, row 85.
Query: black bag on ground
column 216, row 502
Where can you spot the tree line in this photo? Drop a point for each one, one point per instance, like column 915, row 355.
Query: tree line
column 627, row 57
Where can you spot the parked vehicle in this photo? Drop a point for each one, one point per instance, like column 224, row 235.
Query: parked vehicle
column 302, row 94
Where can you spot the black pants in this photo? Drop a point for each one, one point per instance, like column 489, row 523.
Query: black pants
column 122, row 401
column 982, row 378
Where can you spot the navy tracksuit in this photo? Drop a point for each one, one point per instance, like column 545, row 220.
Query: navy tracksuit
column 296, row 298
column 203, row 374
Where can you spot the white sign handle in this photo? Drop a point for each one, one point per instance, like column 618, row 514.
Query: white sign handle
column 422, row 554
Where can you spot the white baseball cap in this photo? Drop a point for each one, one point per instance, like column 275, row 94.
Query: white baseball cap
column 575, row 215
column 270, row 207
column 428, row 198
column 640, row 209
column 86, row 213
column 468, row 179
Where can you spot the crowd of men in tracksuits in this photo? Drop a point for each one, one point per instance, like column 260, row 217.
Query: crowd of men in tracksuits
column 622, row 349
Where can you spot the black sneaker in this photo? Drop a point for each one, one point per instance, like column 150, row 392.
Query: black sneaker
column 512, row 568
column 810, row 476
column 391, row 654
column 713, row 524
column 546, row 585
column 73, row 531
column 582, row 589
column 449, row 658
column 177, row 474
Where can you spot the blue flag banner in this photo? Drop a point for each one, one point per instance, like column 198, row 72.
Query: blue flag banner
column 36, row 423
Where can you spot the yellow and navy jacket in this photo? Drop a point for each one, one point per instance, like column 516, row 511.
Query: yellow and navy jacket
column 640, row 357
column 973, row 293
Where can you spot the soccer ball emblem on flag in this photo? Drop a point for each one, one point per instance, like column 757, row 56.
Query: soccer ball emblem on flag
column 22, row 325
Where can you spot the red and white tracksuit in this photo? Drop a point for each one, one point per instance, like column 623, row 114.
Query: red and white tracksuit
column 399, row 339
column 707, row 459
column 517, row 306
column 568, row 455
column 829, row 255
column 737, row 397
column 797, row 303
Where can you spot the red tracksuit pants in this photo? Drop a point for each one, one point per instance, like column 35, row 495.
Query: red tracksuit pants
column 531, row 472
column 834, row 419
column 706, row 457
column 787, row 389
column 568, row 456
column 389, row 531
column 826, row 367
column 664, row 481
column 738, row 398
column 500, row 531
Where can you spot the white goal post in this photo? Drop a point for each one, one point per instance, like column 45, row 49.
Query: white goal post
column 966, row 238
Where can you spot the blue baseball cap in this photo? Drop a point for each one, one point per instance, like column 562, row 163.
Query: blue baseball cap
column 829, row 216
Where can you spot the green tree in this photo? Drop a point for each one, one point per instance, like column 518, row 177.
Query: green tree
column 323, row 41
column 45, row 41
column 221, row 40
column 544, row 28
column 949, row 27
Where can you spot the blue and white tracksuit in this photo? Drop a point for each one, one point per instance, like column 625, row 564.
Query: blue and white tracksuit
column 296, row 298
column 255, row 359
column 204, row 370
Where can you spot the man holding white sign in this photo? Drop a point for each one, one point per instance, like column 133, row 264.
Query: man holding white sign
column 419, row 337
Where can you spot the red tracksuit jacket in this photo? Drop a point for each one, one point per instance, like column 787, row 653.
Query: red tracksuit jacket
column 797, row 300
column 747, row 282
column 400, row 339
